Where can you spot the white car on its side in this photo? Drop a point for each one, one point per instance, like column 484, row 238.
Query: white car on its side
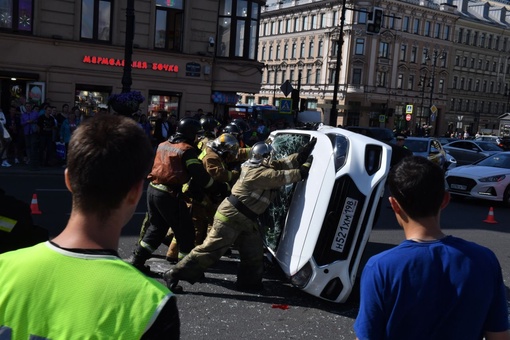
column 317, row 230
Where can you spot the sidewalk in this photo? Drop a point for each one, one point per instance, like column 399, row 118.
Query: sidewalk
column 26, row 169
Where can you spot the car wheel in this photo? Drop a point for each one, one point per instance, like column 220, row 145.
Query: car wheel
column 506, row 197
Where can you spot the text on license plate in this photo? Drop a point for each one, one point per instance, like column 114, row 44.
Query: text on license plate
column 344, row 225
column 458, row 186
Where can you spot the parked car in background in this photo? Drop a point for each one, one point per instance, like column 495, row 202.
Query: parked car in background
column 431, row 148
column 446, row 140
column 382, row 134
column 469, row 151
column 502, row 142
column 487, row 179
column 316, row 230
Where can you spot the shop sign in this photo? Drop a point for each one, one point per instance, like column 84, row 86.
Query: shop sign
column 135, row 64
column 193, row 70
column 224, row 98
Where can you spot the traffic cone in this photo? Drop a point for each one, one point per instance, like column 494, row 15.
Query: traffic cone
column 34, row 206
column 490, row 217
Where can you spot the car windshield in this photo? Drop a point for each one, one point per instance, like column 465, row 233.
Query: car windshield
column 499, row 160
column 487, row 146
column 417, row 145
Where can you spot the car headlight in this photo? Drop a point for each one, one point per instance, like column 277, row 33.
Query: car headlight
column 497, row 178
column 301, row 278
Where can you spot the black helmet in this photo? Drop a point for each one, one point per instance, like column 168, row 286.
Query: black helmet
column 232, row 129
column 259, row 152
column 209, row 124
column 241, row 124
column 189, row 128
column 226, row 144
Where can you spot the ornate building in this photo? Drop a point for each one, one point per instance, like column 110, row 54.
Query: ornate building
column 426, row 66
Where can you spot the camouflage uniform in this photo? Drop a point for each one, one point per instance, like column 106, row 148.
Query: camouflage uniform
column 256, row 188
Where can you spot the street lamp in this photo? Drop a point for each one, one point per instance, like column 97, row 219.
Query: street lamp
column 276, row 69
column 128, row 46
column 435, row 55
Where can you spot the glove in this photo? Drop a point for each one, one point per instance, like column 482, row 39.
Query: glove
column 306, row 150
column 305, row 168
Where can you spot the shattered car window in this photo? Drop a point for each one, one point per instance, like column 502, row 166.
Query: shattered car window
column 273, row 220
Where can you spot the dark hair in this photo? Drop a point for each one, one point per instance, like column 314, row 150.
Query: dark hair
column 418, row 185
column 108, row 155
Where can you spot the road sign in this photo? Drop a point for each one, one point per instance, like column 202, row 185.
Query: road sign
column 382, row 118
column 409, row 109
column 408, row 117
column 433, row 109
column 286, row 106
column 286, row 88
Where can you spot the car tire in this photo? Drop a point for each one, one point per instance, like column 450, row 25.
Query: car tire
column 506, row 197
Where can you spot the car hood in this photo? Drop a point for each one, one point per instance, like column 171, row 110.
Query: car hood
column 477, row 171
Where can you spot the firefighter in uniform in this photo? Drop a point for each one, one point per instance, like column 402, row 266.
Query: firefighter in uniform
column 176, row 162
column 214, row 158
column 210, row 127
column 235, row 220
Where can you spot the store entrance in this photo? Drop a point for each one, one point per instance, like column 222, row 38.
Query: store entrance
column 88, row 97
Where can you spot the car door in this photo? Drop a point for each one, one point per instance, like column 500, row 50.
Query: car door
column 463, row 152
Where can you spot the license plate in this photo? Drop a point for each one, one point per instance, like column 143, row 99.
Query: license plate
column 458, row 186
column 346, row 220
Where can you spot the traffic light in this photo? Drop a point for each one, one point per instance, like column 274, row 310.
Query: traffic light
column 375, row 22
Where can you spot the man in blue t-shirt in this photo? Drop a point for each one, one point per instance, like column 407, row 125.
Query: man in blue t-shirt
column 432, row 285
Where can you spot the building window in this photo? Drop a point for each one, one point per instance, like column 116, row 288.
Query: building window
column 263, row 54
column 318, row 76
column 437, row 30
column 356, row 76
column 482, row 40
column 238, row 24
column 427, row 28
column 383, row 49
column 410, row 82
column 472, row 63
column 381, row 78
column 440, row 87
column 323, row 20
column 294, row 49
column 286, row 51
column 302, row 50
column 288, row 24
column 305, row 23
column 313, row 23
column 454, row 82
column 17, row 15
column 308, row 77
column 280, row 27
column 362, row 17
column 468, row 37
column 310, row 49
column 169, row 23
column 405, row 24
column 489, row 41
column 360, row 46
column 263, row 100
column 335, row 18
column 403, row 51
column 464, row 61
column 446, row 33
column 270, row 57
column 416, row 26
column 424, row 56
column 319, row 48
column 400, row 81
column 291, row 75
column 96, row 18
column 414, row 51
column 278, row 48
column 296, row 24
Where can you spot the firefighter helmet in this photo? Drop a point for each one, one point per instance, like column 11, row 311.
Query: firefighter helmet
column 225, row 144
column 259, row 152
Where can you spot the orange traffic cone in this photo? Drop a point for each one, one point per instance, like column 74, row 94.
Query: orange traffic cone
column 34, row 206
column 490, row 217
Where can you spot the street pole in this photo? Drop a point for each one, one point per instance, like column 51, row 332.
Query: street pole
column 128, row 46
column 274, row 87
column 334, row 112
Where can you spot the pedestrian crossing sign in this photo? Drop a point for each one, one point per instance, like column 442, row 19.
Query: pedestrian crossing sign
column 285, row 106
column 409, row 109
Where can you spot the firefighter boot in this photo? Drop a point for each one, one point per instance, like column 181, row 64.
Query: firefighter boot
column 172, row 282
column 140, row 255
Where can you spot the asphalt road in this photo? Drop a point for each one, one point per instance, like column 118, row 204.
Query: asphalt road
column 213, row 309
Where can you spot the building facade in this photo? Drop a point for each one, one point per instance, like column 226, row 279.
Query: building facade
column 423, row 72
column 187, row 54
